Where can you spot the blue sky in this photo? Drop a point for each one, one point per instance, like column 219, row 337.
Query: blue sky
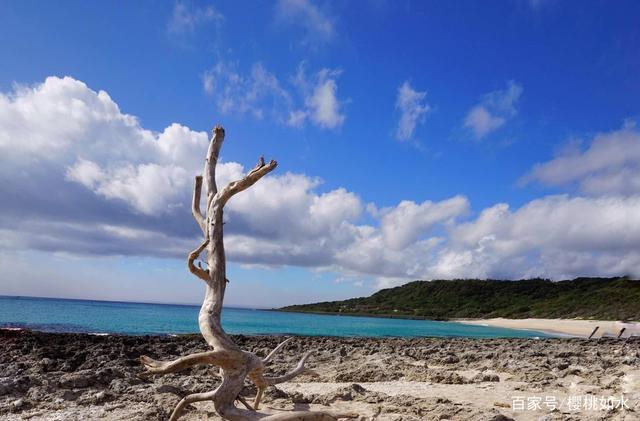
column 415, row 140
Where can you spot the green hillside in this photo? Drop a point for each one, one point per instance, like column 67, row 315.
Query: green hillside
column 597, row 298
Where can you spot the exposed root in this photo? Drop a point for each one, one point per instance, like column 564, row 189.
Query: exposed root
column 245, row 403
column 290, row 375
column 256, row 401
column 163, row 367
column 235, row 414
column 269, row 357
column 310, row 416
column 194, row 397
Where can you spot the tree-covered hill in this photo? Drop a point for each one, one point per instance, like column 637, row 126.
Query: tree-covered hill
column 597, row 298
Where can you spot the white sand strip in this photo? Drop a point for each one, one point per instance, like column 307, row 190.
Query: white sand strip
column 571, row 327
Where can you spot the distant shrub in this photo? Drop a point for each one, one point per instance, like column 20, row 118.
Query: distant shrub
column 599, row 298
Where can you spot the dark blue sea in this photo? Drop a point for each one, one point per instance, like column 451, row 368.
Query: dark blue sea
column 108, row 317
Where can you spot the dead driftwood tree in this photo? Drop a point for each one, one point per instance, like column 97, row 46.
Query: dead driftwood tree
column 235, row 364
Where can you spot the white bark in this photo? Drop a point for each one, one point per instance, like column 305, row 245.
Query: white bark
column 235, row 365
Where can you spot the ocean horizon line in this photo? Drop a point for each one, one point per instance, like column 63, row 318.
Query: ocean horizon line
column 35, row 297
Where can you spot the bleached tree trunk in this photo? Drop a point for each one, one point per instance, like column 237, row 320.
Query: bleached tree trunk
column 235, row 364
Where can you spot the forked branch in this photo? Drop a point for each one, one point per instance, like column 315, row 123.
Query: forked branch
column 195, row 205
column 235, row 187
column 300, row 368
column 269, row 357
column 198, row 271
column 235, row 365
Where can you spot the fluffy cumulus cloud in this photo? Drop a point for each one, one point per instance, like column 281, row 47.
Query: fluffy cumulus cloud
column 317, row 25
column 260, row 93
column 555, row 236
column 413, row 109
column 64, row 128
column 403, row 224
column 495, row 109
column 610, row 164
column 82, row 177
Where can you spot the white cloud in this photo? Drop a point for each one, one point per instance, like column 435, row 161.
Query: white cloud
column 85, row 172
column 58, row 114
column 324, row 106
column 555, row 236
column 261, row 94
column 62, row 123
column 317, row 25
column 482, row 122
column 321, row 104
column 493, row 111
column 297, row 118
column 413, row 110
column 295, row 224
column 610, row 165
column 81, row 177
column 208, row 82
column 148, row 188
column 186, row 18
column 403, row 224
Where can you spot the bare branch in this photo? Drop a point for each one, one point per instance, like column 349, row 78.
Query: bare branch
column 194, row 397
column 247, row 181
column 290, row 375
column 268, row 358
column 195, row 205
column 198, row 271
column 245, row 403
column 258, row 398
column 163, row 367
column 257, row 377
column 217, row 138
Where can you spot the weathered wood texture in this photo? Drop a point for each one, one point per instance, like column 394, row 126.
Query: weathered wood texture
column 235, row 365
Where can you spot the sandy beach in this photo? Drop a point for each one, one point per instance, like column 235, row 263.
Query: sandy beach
column 568, row 327
column 47, row 376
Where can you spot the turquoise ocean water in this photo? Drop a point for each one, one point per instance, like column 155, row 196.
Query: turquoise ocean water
column 60, row 315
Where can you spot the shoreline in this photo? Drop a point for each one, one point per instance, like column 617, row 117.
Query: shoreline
column 9, row 328
column 576, row 328
column 562, row 328
column 558, row 328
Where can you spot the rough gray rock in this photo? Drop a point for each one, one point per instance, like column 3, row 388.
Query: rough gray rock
column 74, row 372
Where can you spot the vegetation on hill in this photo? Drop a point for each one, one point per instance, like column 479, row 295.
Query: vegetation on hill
column 596, row 298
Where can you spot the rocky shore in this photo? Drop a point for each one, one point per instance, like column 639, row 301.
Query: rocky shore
column 46, row 376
